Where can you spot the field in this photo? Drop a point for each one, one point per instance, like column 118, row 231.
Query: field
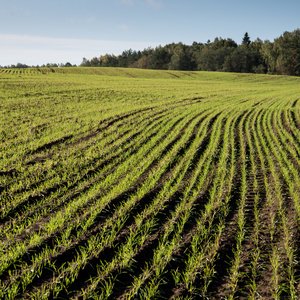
column 143, row 184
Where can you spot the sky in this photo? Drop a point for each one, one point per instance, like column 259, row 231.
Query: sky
column 37, row 32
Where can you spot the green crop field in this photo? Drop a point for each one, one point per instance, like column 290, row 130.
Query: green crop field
column 145, row 184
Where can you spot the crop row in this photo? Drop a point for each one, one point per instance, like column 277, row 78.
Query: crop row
column 172, row 188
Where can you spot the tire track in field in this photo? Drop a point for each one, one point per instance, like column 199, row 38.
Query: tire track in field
column 182, row 290
column 89, row 173
column 290, row 189
column 270, row 213
column 186, row 125
column 48, row 242
column 228, row 242
column 218, row 287
column 86, row 138
column 102, row 255
column 114, row 203
column 97, row 166
column 141, row 204
column 287, row 210
column 108, row 123
column 251, row 206
column 131, row 153
column 266, row 213
column 146, row 252
column 49, row 155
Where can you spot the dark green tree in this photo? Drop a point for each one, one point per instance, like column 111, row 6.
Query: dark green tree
column 281, row 57
column 213, row 55
column 108, row 60
column 95, row 62
column 160, row 59
column 181, row 58
column 269, row 56
column 85, row 63
column 246, row 40
column 287, row 49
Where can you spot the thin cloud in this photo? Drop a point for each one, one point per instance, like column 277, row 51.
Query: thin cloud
column 127, row 2
column 37, row 50
column 155, row 3
column 124, row 27
column 91, row 19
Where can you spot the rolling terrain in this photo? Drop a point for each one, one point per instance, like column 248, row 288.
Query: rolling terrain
column 144, row 184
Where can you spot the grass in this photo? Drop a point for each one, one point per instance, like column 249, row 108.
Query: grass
column 127, row 183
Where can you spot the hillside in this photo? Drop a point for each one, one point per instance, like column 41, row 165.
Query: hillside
column 127, row 183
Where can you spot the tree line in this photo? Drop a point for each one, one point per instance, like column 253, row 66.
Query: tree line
column 48, row 65
column 282, row 56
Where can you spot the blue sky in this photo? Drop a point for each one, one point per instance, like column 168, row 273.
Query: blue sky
column 57, row 31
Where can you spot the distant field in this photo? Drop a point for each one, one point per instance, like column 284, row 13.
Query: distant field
column 139, row 184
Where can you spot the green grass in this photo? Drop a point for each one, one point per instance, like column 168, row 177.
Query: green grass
column 128, row 183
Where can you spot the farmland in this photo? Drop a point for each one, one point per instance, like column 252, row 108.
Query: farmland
column 125, row 183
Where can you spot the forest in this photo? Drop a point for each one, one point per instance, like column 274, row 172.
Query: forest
column 282, row 56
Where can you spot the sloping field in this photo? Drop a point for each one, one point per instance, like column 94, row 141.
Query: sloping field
column 124, row 183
